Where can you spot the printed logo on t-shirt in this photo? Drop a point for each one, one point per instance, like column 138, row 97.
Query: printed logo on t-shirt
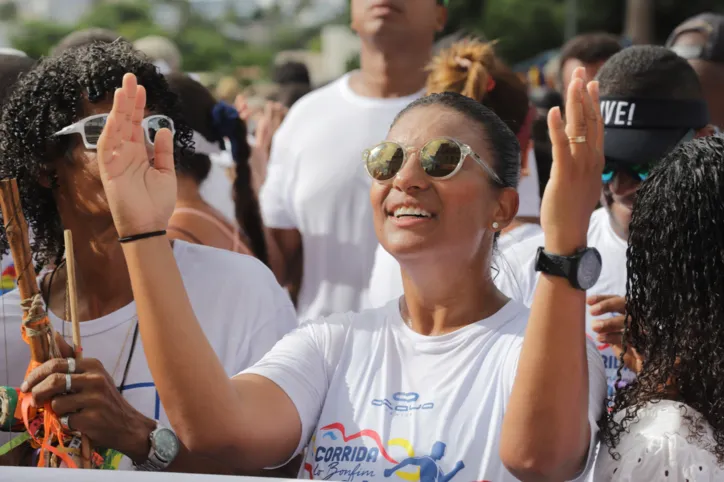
column 363, row 456
column 403, row 403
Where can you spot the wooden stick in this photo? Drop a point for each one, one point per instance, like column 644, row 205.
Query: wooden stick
column 85, row 448
column 16, row 230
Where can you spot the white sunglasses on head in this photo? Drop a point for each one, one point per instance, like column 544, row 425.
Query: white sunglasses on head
column 91, row 128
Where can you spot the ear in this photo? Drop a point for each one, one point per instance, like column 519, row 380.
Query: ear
column 708, row 130
column 507, row 209
column 441, row 18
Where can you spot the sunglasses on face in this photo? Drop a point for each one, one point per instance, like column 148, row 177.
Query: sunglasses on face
column 91, row 128
column 440, row 158
column 636, row 171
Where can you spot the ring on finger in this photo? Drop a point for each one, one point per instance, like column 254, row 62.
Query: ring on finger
column 65, row 422
column 71, row 365
column 67, row 382
column 577, row 139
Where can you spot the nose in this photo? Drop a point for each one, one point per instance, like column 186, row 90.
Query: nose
column 623, row 184
column 411, row 176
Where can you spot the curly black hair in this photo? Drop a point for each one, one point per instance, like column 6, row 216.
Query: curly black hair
column 51, row 97
column 675, row 293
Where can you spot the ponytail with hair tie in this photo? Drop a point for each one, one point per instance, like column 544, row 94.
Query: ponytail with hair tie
column 226, row 120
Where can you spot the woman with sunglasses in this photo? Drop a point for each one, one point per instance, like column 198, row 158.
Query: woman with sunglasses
column 438, row 385
column 470, row 67
column 49, row 142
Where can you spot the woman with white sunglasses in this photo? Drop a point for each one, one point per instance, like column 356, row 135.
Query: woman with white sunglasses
column 438, row 385
column 49, row 142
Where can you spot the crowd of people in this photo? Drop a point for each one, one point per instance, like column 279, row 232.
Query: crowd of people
column 424, row 270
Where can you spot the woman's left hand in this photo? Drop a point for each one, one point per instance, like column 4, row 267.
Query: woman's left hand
column 94, row 405
column 574, row 187
column 141, row 193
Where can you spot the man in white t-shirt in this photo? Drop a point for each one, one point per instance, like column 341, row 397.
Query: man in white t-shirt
column 316, row 194
column 651, row 100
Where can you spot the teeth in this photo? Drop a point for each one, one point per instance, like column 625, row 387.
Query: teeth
column 410, row 211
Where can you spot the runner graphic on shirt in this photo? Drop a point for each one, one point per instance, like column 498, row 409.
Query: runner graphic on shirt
column 430, row 471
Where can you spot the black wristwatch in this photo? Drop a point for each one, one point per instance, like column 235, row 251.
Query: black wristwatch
column 581, row 269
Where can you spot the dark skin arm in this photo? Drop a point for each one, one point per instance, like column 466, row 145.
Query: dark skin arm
column 289, row 243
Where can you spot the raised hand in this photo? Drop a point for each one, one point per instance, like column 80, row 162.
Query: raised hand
column 575, row 182
column 140, row 185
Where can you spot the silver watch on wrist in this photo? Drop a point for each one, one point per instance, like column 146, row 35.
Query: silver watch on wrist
column 164, row 449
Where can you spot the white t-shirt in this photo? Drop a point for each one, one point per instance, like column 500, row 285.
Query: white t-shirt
column 386, row 280
column 659, row 448
column 217, row 191
column 518, row 277
column 316, row 183
column 240, row 306
column 378, row 400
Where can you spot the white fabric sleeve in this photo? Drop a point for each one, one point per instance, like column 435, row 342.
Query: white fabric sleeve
column 668, row 458
column 277, row 190
column 302, row 364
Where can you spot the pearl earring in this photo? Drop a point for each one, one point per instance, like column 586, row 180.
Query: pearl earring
column 496, row 225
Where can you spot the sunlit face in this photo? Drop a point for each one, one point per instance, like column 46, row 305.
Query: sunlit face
column 372, row 18
column 461, row 209
column 79, row 181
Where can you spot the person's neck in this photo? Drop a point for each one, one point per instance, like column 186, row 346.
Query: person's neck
column 390, row 73
column 188, row 193
column 102, row 282
column 441, row 297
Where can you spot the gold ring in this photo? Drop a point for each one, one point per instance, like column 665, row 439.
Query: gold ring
column 577, row 139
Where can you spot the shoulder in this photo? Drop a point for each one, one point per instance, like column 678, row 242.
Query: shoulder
column 233, row 277
column 660, row 445
column 311, row 103
column 353, row 324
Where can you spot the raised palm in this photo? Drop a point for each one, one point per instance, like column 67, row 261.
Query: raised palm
column 141, row 193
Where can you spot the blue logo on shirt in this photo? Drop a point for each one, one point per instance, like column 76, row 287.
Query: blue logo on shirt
column 403, row 403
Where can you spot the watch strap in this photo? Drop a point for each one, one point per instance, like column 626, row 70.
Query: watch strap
column 153, row 463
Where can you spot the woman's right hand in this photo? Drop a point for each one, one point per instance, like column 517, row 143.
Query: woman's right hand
column 575, row 183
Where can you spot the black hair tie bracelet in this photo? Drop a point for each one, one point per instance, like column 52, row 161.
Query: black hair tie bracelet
column 136, row 237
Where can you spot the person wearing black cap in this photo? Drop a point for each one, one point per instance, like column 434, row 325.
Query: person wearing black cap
column 700, row 40
column 651, row 101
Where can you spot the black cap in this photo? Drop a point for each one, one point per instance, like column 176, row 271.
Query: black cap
column 711, row 26
column 645, row 130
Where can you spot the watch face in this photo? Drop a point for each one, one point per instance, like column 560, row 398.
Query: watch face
column 589, row 269
column 165, row 444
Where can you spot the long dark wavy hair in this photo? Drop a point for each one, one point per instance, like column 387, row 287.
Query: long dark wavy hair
column 51, row 97
column 675, row 294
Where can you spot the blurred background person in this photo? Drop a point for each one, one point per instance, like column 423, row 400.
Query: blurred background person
column 590, row 50
column 194, row 220
column 315, row 196
column 470, row 67
column 162, row 52
column 700, row 40
column 87, row 36
column 12, row 66
column 544, row 99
